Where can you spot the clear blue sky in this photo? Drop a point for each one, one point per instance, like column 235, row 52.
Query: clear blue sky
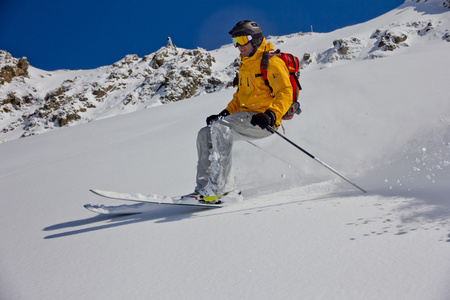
column 85, row 34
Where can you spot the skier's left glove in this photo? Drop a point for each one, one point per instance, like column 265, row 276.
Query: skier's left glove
column 213, row 118
column 264, row 119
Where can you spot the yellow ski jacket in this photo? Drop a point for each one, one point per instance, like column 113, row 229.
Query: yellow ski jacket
column 253, row 94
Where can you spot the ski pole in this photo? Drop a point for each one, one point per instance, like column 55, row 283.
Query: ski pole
column 272, row 130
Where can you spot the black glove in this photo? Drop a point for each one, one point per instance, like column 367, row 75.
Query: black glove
column 264, row 119
column 213, row 118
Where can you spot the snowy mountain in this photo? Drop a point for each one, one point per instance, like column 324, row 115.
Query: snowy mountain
column 33, row 101
column 375, row 107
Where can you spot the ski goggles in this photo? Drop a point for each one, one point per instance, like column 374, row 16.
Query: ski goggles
column 241, row 40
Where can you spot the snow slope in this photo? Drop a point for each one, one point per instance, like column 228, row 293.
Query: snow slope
column 301, row 232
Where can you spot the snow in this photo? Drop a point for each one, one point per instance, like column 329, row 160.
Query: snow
column 300, row 233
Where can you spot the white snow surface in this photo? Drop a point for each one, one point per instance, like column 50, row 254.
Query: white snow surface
column 300, row 233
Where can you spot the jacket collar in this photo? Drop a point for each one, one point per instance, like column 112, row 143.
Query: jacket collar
column 259, row 52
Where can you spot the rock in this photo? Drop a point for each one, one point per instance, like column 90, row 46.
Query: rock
column 12, row 67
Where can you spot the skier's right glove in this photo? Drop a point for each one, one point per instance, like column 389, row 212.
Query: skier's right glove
column 263, row 120
column 213, row 118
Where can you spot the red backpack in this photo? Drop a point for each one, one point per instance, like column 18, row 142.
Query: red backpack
column 293, row 64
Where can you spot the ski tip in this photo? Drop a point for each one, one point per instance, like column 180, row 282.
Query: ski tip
column 97, row 192
column 90, row 207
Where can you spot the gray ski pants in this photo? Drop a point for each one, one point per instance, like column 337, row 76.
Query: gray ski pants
column 214, row 146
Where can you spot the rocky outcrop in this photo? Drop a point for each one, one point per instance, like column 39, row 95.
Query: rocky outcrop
column 12, row 67
column 381, row 43
column 343, row 49
column 444, row 3
column 388, row 40
column 133, row 83
column 184, row 73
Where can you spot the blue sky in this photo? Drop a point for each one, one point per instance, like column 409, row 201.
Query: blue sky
column 86, row 34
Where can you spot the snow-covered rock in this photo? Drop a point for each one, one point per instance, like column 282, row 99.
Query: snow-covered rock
column 11, row 67
column 444, row 3
column 37, row 101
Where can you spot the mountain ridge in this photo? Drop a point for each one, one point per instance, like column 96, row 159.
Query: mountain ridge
column 34, row 101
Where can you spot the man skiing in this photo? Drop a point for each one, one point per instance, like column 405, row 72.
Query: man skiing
column 253, row 108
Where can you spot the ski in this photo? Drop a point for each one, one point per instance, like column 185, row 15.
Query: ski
column 150, row 199
column 125, row 209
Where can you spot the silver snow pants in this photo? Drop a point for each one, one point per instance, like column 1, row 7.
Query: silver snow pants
column 214, row 146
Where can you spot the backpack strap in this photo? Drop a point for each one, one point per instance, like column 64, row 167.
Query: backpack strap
column 298, row 82
column 264, row 64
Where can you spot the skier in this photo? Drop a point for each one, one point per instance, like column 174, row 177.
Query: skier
column 253, row 108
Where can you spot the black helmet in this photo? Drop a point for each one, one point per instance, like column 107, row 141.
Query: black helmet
column 248, row 28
